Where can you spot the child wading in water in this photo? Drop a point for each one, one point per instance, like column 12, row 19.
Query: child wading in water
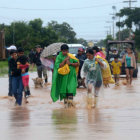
column 91, row 71
column 116, row 68
column 64, row 83
column 24, row 66
column 130, row 65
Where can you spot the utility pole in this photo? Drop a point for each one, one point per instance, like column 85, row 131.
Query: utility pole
column 113, row 18
column 119, row 31
column 109, row 27
column 130, row 6
column 130, row 2
column 107, row 33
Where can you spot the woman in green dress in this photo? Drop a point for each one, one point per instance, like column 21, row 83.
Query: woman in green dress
column 64, row 86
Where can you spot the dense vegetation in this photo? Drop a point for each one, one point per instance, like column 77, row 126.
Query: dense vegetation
column 132, row 22
column 27, row 35
column 129, row 25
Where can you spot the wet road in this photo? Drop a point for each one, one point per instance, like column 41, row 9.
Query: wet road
column 117, row 116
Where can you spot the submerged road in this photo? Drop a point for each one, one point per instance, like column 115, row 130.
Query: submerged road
column 117, row 116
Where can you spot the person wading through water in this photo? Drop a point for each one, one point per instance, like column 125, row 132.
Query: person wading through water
column 64, row 82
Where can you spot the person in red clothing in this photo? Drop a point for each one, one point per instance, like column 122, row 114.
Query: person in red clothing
column 24, row 66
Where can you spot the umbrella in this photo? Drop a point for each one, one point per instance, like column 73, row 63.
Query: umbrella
column 51, row 49
column 48, row 63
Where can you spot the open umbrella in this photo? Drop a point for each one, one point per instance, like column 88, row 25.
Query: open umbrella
column 51, row 49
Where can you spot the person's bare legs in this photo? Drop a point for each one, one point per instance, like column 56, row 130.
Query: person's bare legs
column 96, row 94
column 117, row 79
column 89, row 96
column 127, row 75
column 131, row 76
column 89, row 88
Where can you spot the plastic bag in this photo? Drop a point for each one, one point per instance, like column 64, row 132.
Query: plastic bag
column 64, row 70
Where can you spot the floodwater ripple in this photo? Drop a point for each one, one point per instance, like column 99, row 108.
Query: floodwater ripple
column 117, row 116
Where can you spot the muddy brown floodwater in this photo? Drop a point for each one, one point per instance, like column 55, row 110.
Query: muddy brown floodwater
column 117, row 116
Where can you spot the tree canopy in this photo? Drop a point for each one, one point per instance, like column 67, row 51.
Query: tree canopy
column 29, row 34
column 131, row 20
column 131, row 17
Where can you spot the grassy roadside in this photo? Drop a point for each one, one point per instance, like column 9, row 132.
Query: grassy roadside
column 3, row 68
column 138, row 57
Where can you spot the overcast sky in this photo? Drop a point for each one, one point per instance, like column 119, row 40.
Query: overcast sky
column 87, row 17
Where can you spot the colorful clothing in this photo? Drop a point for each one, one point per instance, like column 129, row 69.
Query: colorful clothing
column 25, row 79
column 106, row 72
column 63, row 84
column 130, row 61
column 25, row 75
column 100, row 54
column 116, row 67
column 23, row 66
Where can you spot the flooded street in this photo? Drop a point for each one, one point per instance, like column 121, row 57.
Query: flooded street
column 117, row 116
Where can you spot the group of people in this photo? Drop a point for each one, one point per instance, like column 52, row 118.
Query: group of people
column 90, row 69
column 18, row 72
column 129, row 61
column 67, row 70
column 64, row 85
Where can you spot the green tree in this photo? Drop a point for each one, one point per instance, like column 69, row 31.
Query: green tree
column 122, row 35
column 63, row 30
column 131, row 18
column 82, row 41
column 29, row 34
column 109, row 37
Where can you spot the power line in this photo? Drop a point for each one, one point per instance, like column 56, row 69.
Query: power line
column 68, row 9
column 68, row 17
column 130, row 2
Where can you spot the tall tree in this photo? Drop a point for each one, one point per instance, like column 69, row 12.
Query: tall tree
column 29, row 34
column 109, row 37
column 64, row 30
column 122, row 35
column 131, row 19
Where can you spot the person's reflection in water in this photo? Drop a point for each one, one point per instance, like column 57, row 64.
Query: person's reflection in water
column 94, row 116
column 97, row 121
column 20, row 121
column 65, row 122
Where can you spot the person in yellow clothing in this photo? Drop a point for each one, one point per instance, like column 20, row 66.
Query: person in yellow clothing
column 116, row 69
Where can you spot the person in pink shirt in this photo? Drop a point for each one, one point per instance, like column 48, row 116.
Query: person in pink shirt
column 98, row 52
column 24, row 66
